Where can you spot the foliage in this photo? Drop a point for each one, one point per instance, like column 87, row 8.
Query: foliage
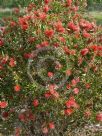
column 50, row 70
column 90, row 2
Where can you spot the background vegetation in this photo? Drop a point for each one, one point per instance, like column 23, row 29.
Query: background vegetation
column 94, row 7
column 15, row 3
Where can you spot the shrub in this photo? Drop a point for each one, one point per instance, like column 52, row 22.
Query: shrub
column 50, row 70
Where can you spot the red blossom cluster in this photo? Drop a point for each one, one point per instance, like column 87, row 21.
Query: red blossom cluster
column 3, row 104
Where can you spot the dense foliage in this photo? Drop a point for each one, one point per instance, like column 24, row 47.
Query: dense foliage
column 50, row 70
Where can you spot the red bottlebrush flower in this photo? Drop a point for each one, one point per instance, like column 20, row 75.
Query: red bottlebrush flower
column 90, row 41
column 38, row 46
column 73, row 27
column 30, row 7
column 68, row 72
column 66, row 50
column 1, row 42
column 84, row 51
column 31, row 39
column 27, row 18
column 74, row 82
column 69, row 2
column 76, row 90
column 99, row 54
column 68, row 112
column 62, row 39
column 31, row 116
column 47, row 1
column 42, row 16
column 12, row 24
column 12, row 110
column 95, row 69
column 3, row 104
column 17, row 131
column 2, row 29
column 24, row 27
column 1, row 67
column 77, row 35
column 22, row 117
column 51, row 125
column 77, row 79
column 53, row 92
column 49, row 33
column 45, row 44
column 100, row 48
column 12, row 62
column 4, row 60
column 99, row 117
column 68, row 86
column 27, row 55
column 35, row 103
column 23, row 23
column 72, row 52
column 52, row 89
column 5, row 114
column 86, row 34
column 47, row 95
column 56, row 44
column 86, row 25
column 46, row 8
column 45, row 130
column 59, row 27
column 87, row 85
column 71, row 103
column 80, row 60
column 17, row 88
column 50, row 74
column 74, row 9
column 94, row 47
column 58, row 66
